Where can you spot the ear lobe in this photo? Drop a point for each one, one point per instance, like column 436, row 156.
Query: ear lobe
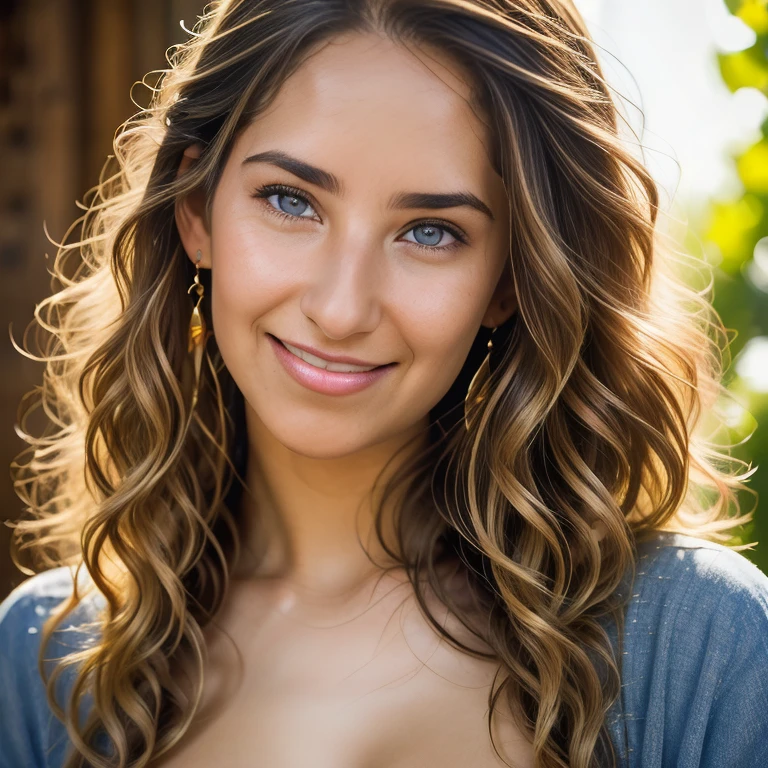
column 190, row 214
column 503, row 303
column 499, row 312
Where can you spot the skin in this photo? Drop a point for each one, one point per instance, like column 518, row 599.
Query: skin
column 328, row 671
column 346, row 275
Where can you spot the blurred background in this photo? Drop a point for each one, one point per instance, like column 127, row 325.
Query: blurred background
column 692, row 74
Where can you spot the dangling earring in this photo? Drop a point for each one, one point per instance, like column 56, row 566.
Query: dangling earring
column 197, row 333
column 472, row 400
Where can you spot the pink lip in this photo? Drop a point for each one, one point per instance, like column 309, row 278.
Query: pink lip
column 325, row 382
column 329, row 357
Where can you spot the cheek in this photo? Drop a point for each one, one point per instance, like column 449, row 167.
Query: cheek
column 440, row 322
column 254, row 270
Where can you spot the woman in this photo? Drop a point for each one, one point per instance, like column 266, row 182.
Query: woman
column 378, row 495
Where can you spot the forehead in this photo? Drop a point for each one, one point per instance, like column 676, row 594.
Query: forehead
column 365, row 100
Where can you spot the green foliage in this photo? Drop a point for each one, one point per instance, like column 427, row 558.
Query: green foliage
column 754, row 13
column 745, row 69
column 734, row 227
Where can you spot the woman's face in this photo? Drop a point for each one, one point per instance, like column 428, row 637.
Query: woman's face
column 323, row 236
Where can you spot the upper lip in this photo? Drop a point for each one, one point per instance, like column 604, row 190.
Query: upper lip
column 328, row 356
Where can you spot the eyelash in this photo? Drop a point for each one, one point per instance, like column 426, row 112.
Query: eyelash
column 282, row 189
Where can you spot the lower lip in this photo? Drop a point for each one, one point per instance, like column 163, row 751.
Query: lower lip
column 326, row 382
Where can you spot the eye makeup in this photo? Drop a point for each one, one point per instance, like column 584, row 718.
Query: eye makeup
column 268, row 190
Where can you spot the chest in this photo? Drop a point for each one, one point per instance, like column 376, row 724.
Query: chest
column 378, row 691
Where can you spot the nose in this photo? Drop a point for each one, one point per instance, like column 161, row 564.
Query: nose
column 343, row 296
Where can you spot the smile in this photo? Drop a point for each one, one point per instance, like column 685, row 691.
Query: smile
column 325, row 376
column 326, row 365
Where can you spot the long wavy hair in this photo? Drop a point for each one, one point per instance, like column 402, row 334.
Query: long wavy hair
column 585, row 437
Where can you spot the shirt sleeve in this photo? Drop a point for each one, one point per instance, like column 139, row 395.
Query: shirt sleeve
column 695, row 677
column 19, row 643
column 737, row 727
column 31, row 736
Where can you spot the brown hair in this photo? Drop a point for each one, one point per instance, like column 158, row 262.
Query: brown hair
column 587, row 423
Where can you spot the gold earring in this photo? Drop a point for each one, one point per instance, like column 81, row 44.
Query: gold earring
column 471, row 400
column 197, row 333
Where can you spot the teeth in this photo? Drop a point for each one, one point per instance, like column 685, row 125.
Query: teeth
column 318, row 362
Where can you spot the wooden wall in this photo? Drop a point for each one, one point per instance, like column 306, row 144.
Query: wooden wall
column 66, row 68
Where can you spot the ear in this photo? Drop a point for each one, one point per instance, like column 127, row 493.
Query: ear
column 503, row 303
column 191, row 219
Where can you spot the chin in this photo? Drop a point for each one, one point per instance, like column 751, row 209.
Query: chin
column 320, row 446
column 329, row 436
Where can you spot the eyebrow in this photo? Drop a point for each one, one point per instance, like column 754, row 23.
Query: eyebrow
column 327, row 181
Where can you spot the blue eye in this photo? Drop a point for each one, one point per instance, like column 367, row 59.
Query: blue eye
column 291, row 203
column 288, row 201
column 430, row 235
column 294, row 205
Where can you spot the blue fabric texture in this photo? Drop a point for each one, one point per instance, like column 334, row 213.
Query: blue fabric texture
column 695, row 662
column 31, row 736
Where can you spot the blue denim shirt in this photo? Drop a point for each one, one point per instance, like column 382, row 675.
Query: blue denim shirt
column 695, row 677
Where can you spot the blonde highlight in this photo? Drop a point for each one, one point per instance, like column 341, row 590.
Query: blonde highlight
column 587, row 439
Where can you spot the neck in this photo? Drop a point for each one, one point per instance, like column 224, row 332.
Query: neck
column 309, row 522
